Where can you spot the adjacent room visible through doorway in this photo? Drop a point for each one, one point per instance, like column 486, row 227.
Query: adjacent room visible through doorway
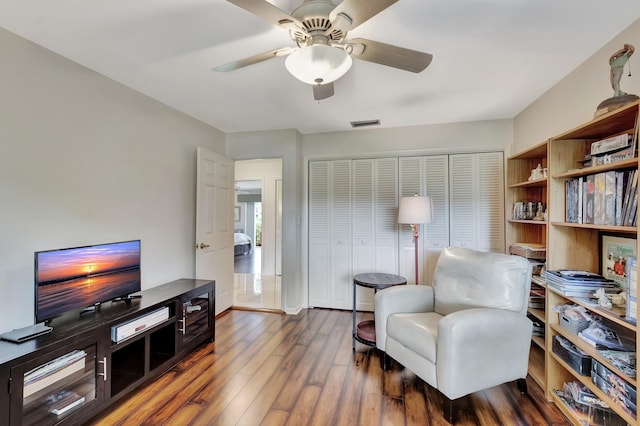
column 257, row 223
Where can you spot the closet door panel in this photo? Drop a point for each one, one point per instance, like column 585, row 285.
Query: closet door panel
column 425, row 175
column 477, row 201
column 411, row 181
column 341, row 276
column 386, row 215
column 490, row 223
column 435, row 234
column 363, row 217
column 319, row 241
column 462, row 230
column 330, row 276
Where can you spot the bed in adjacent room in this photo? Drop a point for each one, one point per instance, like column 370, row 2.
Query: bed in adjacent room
column 242, row 242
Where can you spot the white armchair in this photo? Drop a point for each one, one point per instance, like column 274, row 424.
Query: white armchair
column 467, row 332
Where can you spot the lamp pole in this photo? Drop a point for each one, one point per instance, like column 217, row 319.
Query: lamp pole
column 414, row 228
column 414, row 211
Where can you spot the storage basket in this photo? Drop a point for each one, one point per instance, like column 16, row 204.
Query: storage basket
column 529, row 250
column 573, row 325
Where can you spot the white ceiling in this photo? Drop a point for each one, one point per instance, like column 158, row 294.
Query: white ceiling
column 492, row 58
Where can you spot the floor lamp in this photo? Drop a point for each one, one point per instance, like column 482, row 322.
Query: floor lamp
column 415, row 211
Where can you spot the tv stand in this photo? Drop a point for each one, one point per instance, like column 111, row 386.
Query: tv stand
column 91, row 371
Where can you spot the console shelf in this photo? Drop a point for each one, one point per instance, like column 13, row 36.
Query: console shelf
column 102, row 371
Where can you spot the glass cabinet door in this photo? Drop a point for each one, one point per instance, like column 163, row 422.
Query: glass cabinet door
column 53, row 386
column 196, row 317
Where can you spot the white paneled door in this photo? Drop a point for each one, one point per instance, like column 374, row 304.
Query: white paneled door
column 214, row 224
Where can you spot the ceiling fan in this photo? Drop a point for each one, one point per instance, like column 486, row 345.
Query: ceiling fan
column 322, row 53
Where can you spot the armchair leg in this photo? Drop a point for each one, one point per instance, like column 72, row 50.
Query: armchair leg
column 385, row 361
column 522, row 386
column 449, row 409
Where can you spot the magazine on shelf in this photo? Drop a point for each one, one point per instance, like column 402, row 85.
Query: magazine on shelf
column 47, row 374
column 64, row 401
column 600, row 336
column 50, row 367
column 575, row 283
column 631, row 314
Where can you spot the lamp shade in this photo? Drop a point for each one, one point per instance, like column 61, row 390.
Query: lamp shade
column 415, row 210
column 318, row 64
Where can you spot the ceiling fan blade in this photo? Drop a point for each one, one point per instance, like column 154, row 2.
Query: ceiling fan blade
column 269, row 12
column 389, row 55
column 350, row 13
column 323, row 91
column 254, row 59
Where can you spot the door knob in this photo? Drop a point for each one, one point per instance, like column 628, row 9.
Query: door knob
column 202, row 246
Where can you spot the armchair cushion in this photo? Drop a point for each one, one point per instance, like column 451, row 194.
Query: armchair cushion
column 417, row 332
column 406, row 299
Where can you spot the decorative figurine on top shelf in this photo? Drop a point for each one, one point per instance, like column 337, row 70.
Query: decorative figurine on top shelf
column 537, row 173
column 619, row 98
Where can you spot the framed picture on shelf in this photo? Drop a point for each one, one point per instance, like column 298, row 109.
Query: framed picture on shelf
column 614, row 252
column 236, row 214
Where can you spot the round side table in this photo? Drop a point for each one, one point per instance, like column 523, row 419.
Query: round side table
column 365, row 331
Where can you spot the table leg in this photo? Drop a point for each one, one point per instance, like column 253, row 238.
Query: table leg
column 353, row 334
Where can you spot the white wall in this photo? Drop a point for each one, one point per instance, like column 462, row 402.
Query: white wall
column 85, row 160
column 370, row 142
column 574, row 99
column 268, row 172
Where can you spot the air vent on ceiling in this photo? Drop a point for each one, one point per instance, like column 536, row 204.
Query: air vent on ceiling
column 365, row 123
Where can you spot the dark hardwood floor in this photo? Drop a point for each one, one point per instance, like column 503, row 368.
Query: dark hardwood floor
column 271, row 369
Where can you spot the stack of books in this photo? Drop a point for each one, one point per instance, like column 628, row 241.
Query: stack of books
column 575, row 283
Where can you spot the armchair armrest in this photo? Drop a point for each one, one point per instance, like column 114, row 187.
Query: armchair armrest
column 480, row 348
column 405, row 298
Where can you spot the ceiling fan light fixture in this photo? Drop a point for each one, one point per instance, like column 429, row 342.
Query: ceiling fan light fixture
column 318, row 64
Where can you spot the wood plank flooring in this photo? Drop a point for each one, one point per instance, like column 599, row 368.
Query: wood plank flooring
column 271, row 369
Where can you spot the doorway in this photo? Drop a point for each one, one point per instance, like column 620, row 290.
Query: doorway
column 248, row 227
column 257, row 224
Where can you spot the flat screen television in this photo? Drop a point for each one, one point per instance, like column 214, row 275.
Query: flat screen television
column 80, row 277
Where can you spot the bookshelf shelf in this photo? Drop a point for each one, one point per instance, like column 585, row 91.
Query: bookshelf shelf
column 605, row 228
column 624, row 164
column 537, row 183
column 528, row 222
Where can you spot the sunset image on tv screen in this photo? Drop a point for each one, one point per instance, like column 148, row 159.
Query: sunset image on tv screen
column 79, row 277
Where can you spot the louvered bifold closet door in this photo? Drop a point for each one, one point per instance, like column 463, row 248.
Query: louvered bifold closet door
column 412, row 181
column 490, row 224
column 427, row 175
column 436, row 234
column 477, row 201
column 319, row 226
column 341, row 273
column 375, row 238
column 330, row 275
